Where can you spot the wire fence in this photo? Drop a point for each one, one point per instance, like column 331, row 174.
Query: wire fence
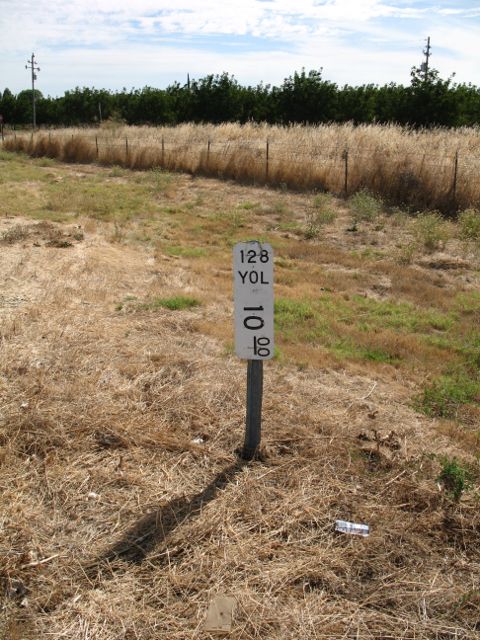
column 270, row 159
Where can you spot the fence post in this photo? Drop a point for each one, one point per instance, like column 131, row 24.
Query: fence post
column 455, row 174
column 208, row 151
column 267, row 159
column 345, row 182
column 96, row 145
column 126, row 148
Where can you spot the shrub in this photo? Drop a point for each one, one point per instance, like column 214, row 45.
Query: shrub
column 13, row 235
column 406, row 253
column 469, row 223
column 430, row 230
column 454, row 477
column 322, row 214
column 365, row 207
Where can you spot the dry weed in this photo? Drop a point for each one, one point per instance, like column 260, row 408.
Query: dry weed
column 125, row 508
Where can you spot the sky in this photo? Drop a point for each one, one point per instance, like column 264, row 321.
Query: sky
column 113, row 44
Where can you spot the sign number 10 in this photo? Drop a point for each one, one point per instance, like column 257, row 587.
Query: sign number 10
column 253, row 278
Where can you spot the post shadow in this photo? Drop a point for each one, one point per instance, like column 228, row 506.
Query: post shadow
column 153, row 528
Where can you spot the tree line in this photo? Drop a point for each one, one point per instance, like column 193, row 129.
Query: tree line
column 304, row 97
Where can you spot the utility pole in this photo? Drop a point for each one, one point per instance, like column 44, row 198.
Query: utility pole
column 31, row 65
column 427, row 54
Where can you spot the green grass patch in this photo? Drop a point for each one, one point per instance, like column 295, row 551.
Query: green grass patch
column 467, row 303
column 444, row 396
column 52, row 193
column 287, row 226
column 248, row 206
column 186, row 252
column 93, row 197
column 290, row 313
column 346, row 348
column 360, row 328
column 402, row 316
column 174, row 303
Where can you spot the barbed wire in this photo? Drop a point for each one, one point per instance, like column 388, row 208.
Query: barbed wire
column 464, row 159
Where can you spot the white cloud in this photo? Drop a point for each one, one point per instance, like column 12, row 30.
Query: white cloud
column 80, row 21
column 112, row 43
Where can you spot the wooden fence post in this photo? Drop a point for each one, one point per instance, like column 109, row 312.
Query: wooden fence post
column 126, row 148
column 96, row 145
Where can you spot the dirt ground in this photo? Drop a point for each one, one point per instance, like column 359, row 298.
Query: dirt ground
column 125, row 509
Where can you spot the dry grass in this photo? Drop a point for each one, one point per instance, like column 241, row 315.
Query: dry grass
column 125, row 510
column 406, row 167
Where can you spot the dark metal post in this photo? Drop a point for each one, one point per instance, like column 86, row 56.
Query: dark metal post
column 345, row 185
column 253, row 421
column 455, row 175
column 267, row 158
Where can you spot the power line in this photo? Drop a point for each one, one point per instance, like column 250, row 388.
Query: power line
column 31, row 65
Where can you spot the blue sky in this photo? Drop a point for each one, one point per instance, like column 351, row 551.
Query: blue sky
column 133, row 43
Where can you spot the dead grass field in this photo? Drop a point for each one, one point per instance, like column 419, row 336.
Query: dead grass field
column 125, row 510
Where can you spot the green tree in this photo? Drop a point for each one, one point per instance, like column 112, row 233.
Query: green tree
column 23, row 105
column 7, row 106
column 307, row 98
column 216, row 99
column 432, row 101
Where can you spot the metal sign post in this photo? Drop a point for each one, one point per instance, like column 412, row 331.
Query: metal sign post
column 253, row 283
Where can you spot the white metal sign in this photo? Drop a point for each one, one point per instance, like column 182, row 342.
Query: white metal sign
column 253, row 278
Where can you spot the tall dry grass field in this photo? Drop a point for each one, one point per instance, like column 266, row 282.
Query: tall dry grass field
column 435, row 169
